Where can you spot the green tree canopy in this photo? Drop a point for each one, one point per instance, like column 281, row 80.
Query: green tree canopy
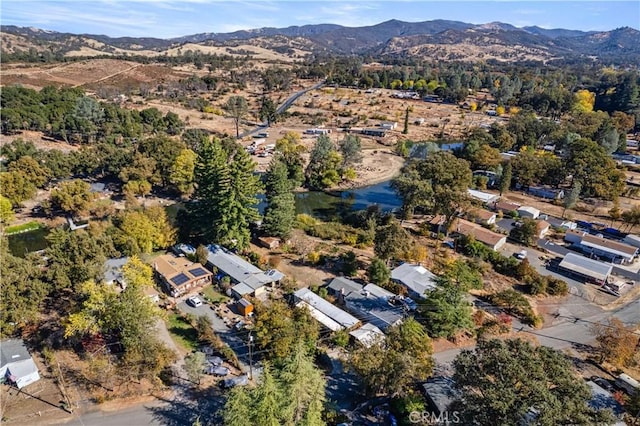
column 438, row 184
column 226, row 195
column 392, row 366
column 502, row 380
column 446, row 311
column 72, row 197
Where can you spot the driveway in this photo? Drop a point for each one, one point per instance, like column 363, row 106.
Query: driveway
column 237, row 340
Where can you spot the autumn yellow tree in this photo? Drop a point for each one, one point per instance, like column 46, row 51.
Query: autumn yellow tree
column 583, row 101
column 617, row 343
column 500, row 110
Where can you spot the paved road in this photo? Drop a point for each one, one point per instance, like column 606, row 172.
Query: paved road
column 282, row 108
column 135, row 416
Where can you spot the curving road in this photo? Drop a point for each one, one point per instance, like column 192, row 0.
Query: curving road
column 282, row 108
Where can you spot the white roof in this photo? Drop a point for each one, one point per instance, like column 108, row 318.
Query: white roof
column 415, row 277
column 320, row 317
column 585, row 266
column 485, row 197
column 529, row 209
column 328, row 310
column 368, row 334
column 239, row 269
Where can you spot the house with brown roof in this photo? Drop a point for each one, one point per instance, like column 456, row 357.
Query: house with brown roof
column 438, row 224
column 601, row 248
column 542, row 228
column 178, row 274
column 481, row 216
column 506, row 207
column 489, row 238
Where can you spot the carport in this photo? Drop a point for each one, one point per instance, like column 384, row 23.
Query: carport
column 588, row 269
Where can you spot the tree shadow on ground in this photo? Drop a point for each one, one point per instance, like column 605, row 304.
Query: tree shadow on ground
column 191, row 404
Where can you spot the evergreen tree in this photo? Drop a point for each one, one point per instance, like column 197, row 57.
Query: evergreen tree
column 225, row 195
column 446, row 310
column 302, row 381
column 237, row 410
column 280, row 211
column 267, row 400
column 507, row 176
column 378, row 272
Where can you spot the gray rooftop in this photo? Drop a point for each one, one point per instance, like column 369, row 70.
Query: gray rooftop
column 343, row 285
column 113, row 270
column 13, row 350
column 368, row 334
column 239, row 269
column 371, row 304
column 332, row 312
column 440, row 392
column 416, row 278
column 585, row 266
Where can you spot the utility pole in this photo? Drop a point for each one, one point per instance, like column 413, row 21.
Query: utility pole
column 250, row 357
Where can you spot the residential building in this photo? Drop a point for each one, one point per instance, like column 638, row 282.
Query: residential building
column 152, row 294
column 601, row 399
column 16, row 364
column 389, row 125
column 415, row 278
column 438, row 224
column 368, row 302
column 179, row 275
column 481, row 216
column 248, row 279
column 440, row 394
column 489, row 238
column 506, row 207
column 484, row 197
column 542, row 228
column 632, row 240
column 113, row 272
column 367, row 335
column 546, row 192
column 339, row 287
column 324, row 312
column 586, row 269
column 371, row 304
column 528, row 212
column 374, row 132
column 609, row 250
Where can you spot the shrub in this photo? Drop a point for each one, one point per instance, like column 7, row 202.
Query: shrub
column 341, row 338
column 313, row 257
column 557, row 287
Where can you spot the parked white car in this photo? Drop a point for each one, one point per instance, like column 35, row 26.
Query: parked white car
column 194, row 301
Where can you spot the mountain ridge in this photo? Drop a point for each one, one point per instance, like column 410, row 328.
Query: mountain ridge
column 386, row 38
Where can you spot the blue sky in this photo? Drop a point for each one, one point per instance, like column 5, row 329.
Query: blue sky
column 174, row 18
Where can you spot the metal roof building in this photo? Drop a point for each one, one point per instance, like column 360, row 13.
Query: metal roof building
column 416, row 278
column 589, row 269
column 249, row 279
column 367, row 335
column 327, row 314
column 16, row 363
column 371, row 303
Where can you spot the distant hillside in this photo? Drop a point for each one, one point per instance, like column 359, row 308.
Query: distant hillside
column 438, row 39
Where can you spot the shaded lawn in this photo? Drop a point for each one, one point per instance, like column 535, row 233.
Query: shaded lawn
column 213, row 295
column 182, row 332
